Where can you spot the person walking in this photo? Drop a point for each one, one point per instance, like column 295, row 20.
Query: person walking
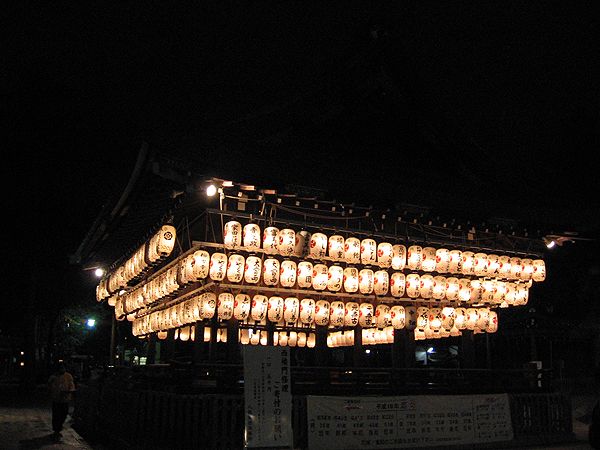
column 61, row 387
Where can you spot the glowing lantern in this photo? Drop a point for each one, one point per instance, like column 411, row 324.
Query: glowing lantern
column 304, row 274
column 232, row 234
column 492, row 325
column 419, row 335
column 286, row 241
column 275, row 309
column 302, row 243
column 270, row 235
column 504, row 266
column 515, row 268
column 414, row 257
column 318, row 245
column 251, row 237
column 413, row 285
column 320, row 276
column 397, row 284
column 428, row 259
column 487, row 291
column 472, row 316
column 311, row 340
column 499, row 291
column 288, row 272
column 398, row 316
column 448, row 318
column 166, row 240
column 352, row 250
column 252, row 269
column 241, row 307
column 218, row 266
column 225, row 306
column 200, row 265
column 464, row 289
column 283, row 339
column 259, row 307
column 439, row 287
column 162, row 335
column 381, row 282
column 351, row 314
column 350, row 279
column 271, row 271
column 337, row 311
column 322, row 309
column 522, row 294
column 434, row 319
column 301, row 339
column 336, row 246
column 442, row 260
column 493, row 265
column 426, row 286
column 291, row 307
column 422, row 317
column 384, row 254
column 335, row 277
column 398, row 257
column 410, row 313
column 476, row 291
column 307, row 311
column 511, row 293
column 389, row 334
column 480, row 264
column 366, row 315
column 455, row 261
column 293, row 339
column 383, row 316
column 368, row 251
column 483, row 319
column 235, row 268
column 460, row 319
column 468, row 263
column 365, row 281
column 208, row 305
column 207, row 333
column 526, row 269
column 539, row 270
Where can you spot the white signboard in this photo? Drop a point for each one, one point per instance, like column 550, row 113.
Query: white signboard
column 404, row 422
column 267, row 396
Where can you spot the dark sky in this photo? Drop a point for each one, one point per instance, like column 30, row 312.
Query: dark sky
column 472, row 94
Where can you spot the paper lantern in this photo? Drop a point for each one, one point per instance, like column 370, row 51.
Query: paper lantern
column 258, row 311
column 468, row 263
column 464, row 289
column 235, row 268
column 302, row 243
column 365, row 281
column 448, row 317
column 472, row 316
column 208, row 305
column 287, row 273
column 483, row 318
column 515, row 268
column 291, row 309
column 218, row 266
column 336, row 246
column 383, row 316
column 162, row 335
column 398, row 257
column 413, row 285
column 487, row 290
column 350, row 279
column 351, row 314
column 511, row 293
column 492, row 325
column 434, row 319
column 275, row 309
column 254, row 337
column 232, row 234
column 368, row 337
column 381, row 282
column 322, row 310
column 419, row 335
column 293, row 339
column 352, row 250
column 320, row 276
column 454, row 266
column 183, row 269
column 522, row 294
column 318, row 245
column 337, row 311
column 368, row 251
column 422, row 317
column 225, row 306
column 499, row 291
column 335, row 278
column 442, row 260
column 439, row 287
column 480, row 264
column 384, row 254
column 493, row 265
column 526, row 269
column 283, row 339
column 166, row 240
column 252, row 269
column 397, row 284
column 270, row 236
column 304, row 274
column 251, row 237
column 241, row 307
column 207, row 334
column 476, row 290
column 414, row 257
column 307, row 311
column 539, row 270
column 398, row 315
column 200, row 265
column 410, row 313
column 428, row 259
column 271, row 271
column 366, row 315
column 460, row 319
column 504, row 266
column 286, row 241
column 311, row 340
column 302, row 339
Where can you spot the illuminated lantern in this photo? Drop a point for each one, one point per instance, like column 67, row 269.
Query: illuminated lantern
column 275, row 309
column 483, row 319
column 318, row 245
column 429, row 333
column 397, row 284
column 422, row 317
column 381, row 282
column 460, row 319
column 254, row 337
column 166, row 240
column 218, row 266
column 419, row 335
column 335, row 278
column 499, row 291
column 259, row 307
column 307, row 311
column 366, row 317
column 320, row 276
column 183, row 269
column 515, row 268
column 410, row 313
column 487, row 291
column 492, row 325
column 208, row 305
column 283, row 339
column 291, row 309
column 383, row 316
column 434, row 319
column 480, row 264
column 455, row 261
column 293, row 339
column 442, row 260
column 337, row 311
column 526, row 269
column 251, row 237
column 225, row 306
column 398, row 316
column 448, row 318
column 271, row 271
column 368, row 251
column 286, row 241
column 389, row 334
column 476, row 290
column 428, row 260
column 539, row 270
column 200, row 265
column 207, row 334
column 302, row 243
column 304, row 274
column 504, row 266
column 252, row 269
column 472, row 316
column 350, row 279
column 522, row 294
column 464, row 289
column 468, row 263
column 351, row 314
column 426, row 286
column 162, row 335
column 301, row 339
column 241, row 307
column 288, row 272
column 322, row 310
column 384, row 254
column 398, row 257
column 511, row 293
column 235, row 268
column 493, row 265
column 352, row 250
column 413, row 284
column 232, row 234
column 365, row 281
column 336, row 246
column 439, row 287
column 270, row 235
column 414, row 257
column 311, row 340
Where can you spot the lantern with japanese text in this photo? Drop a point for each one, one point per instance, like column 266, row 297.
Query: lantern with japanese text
column 322, row 311
column 384, row 254
column 270, row 236
column 428, row 259
column 515, row 268
column 492, row 325
column 468, row 263
column 426, row 286
column 422, row 317
column 275, row 309
column 410, row 314
column 368, row 251
column 235, row 268
column 271, row 271
column 337, row 312
column 350, row 279
column 335, row 278
column 526, row 269
column 286, row 241
column 383, row 316
column 366, row 315
column 381, row 282
column 208, row 305
column 232, row 234
column 413, row 285
column 291, row 309
column 414, row 257
column 397, row 313
column 288, row 271
column 320, row 276
column 352, row 250
column 365, row 281
column 218, row 266
column 225, row 306
column 464, row 289
column 351, row 314
column 251, row 237
column 302, row 243
column 397, row 284
column 336, row 246
column 439, row 287
column 241, row 307
column 454, row 266
column 307, row 311
column 252, row 269
column 493, row 265
column 398, row 257
column 304, row 274
column 539, row 270
column 258, row 311
column 504, row 266
column 318, row 245
column 442, row 260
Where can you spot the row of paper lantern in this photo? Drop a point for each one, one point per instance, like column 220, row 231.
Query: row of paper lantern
column 288, row 242
column 156, row 249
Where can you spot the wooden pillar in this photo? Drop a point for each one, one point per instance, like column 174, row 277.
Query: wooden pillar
column 467, row 350
column 359, row 351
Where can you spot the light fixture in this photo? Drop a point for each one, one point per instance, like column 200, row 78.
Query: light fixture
column 99, row 272
column 550, row 243
column 91, row 323
column 211, row 190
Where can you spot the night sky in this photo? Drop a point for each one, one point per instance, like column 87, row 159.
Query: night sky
column 478, row 95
